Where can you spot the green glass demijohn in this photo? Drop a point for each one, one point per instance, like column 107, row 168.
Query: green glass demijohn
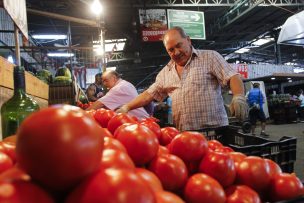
column 18, row 107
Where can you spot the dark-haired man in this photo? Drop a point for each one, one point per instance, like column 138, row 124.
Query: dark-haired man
column 193, row 79
column 95, row 91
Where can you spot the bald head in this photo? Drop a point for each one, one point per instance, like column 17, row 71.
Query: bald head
column 110, row 78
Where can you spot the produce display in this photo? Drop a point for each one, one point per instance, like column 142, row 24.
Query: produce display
column 65, row 154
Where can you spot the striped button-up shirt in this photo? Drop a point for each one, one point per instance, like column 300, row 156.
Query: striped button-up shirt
column 197, row 101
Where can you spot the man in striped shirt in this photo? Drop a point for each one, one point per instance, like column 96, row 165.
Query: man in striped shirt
column 193, row 79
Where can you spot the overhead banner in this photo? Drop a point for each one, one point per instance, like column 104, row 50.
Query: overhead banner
column 17, row 10
column 242, row 69
column 193, row 22
column 153, row 24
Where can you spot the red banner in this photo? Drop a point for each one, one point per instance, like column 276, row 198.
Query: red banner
column 153, row 24
column 242, row 69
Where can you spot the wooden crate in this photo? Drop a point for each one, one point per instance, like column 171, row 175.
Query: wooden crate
column 37, row 89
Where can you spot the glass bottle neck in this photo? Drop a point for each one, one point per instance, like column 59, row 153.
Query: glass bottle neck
column 19, row 81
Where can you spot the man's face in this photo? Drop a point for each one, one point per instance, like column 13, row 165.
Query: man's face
column 178, row 48
column 98, row 80
column 109, row 81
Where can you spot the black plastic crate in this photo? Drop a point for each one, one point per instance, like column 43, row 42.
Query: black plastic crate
column 283, row 152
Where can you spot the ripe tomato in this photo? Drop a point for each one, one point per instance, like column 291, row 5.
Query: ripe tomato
column 10, row 139
column 170, row 170
column 103, row 116
column 201, row 188
column 254, row 172
column 162, row 150
column 141, row 143
column 5, row 162
column 167, row 134
column 214, row 144
column 14, row 174
column 154, row 127
column 189, row 146
column 111, row 143
column 241, row 194
column 219, row 166
column 237, row 157
column 224, row 149
column 285, row 186
column 23, row 192
column 66, row 145
column 274, row 168
column 118, row 120
column 9, row 149
column 167, row 197
column 150, row 178
column 109, row 186
column 116, row 159
column 106, row 132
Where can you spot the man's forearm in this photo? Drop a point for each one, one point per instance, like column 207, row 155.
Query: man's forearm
column 237, row 85
column 95, row 105
column 141, row 100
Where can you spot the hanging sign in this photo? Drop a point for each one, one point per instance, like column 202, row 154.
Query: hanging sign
column 153, row 24
column 17, row 10
column 242, row 69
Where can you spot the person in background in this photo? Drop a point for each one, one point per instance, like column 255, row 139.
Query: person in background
column 95, row 91
column 120, row 92
column 301, row 107
column 193, row 79
column 256, row 100
column 169, row 103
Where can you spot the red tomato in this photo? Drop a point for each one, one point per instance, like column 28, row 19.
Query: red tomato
column 167, row 134
column 237, row 157
column 219, row 166
column 224, row 149
column 171, row 171
column 121, row 127
column 151, row 118
column 201, row 188
column 5, row 162
column 167, row 197
column 111, row 143
column 106, row 132
column 118, row 120
column 274, row 168
column 103, row 117
column 214, row 144
column 150, row 178
column 10, row 150
column 254, row 172
column 241, row 194
column 285, row 186
column 141, row 143
column 23, row 192
column 116, row 159
column 109, row 186
column 189, row 146
column 162, row 150
column 59, row 145
column 13, row 174
column 154, row 127
column 193, row 167
column 10, row 139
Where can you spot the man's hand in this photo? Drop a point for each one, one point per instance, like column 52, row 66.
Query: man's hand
column 239, row 107
column 99, row 95
column 123, row 109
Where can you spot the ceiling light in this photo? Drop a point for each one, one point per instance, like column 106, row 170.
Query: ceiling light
column 242, row 50
column 98, row 49
column 111, row 68
column 272, row 78
column 288, row 78
column 298, row 70
column 10, row 59
column 260, row 42
column 96, row 7
column 49, row 36
column 60, row 54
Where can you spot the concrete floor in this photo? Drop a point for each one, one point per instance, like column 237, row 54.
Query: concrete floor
column 293, row 130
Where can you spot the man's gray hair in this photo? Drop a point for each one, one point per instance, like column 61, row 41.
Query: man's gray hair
column 180, row 30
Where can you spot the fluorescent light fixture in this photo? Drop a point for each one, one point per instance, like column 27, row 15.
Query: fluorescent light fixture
column 50, row 36
column 96, row 7
column 10, row 59
column 288, row 78
column 260, row 42
column 272, row 78
column 298, row 70
column 111, row 68
column 60, row 54
column 242, row 50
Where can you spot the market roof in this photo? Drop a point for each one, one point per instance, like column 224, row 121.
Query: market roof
column 276, row 78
